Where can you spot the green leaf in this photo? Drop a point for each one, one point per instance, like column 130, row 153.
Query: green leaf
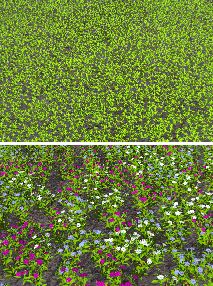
column 155, row 281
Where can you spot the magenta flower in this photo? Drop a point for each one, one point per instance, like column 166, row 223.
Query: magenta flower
column 102, row 261
column 83, row 274
column 109, row 255
column 111, row 219
column 5, row 252
column 100, row 283
column 18, row 257
column 35, row 275
column 51, row 225
column 74, row 269
column 59, row 190
column 68, row 279
column 5, row 242
column 115, row 274
column 134, row 192
column 19, row 273
column 31, row 256
column 126, row 284
column 39, row 261
column 205, row 216
column 117, row 213
column 117, row 229
column 100, row 251
column 26, row 261
column 129, row 223
column 143, row 199
column 203, row 229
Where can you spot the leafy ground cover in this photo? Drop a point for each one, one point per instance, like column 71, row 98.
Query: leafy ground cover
column 106, row 71
column 106, row 215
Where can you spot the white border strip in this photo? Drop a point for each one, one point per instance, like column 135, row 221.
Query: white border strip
column 105, row 143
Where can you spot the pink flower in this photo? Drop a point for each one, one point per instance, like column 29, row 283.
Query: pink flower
column 26, row 261
column 35, row 275
column 5, row 242
column 143, row 199
column 31, row 256
column 18, row 257
column 68, row 279
column 102, row 261
column 100, row 283
column 5, row 252
column 115, row 274
column 59, row 190
column 19, row 273
column 117, row 213
column 100, row 251
column 111, row 219
column 203, row 229
column 83, row 274
column 126, row 284
column 74, row 269
column 129, row 223
column 51, row 225
column 109, row 255
column 117, row 229
column 39, row 261
column 205, row 216
column 134, row 192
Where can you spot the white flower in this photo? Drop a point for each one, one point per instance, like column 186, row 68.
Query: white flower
column 185, row 183
column 149, row 261
column 207, row 206
column 161, row 164
column 189, row 189
column 118, row 248
column 85, row 180
column 170, row 222
column 36, row 246
column 39, row 197
column 123, row 249
column 167, row 213
column 193, row 199
column 34, row 236
column 63, row 211
column 138, row 251
column 177, row 213
column 150, row 233
column 123, row 231
column 144, row 242
column 78, row 225
column 194, row 217
column 160, row 277
column 191, row 212
column 174, row 182
column 95, row 189
column 156, row 252
column 175, row 204
column 187, row 177
column 146, row 222
column 59, row 220
column 47, row 234
column 190, row 203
